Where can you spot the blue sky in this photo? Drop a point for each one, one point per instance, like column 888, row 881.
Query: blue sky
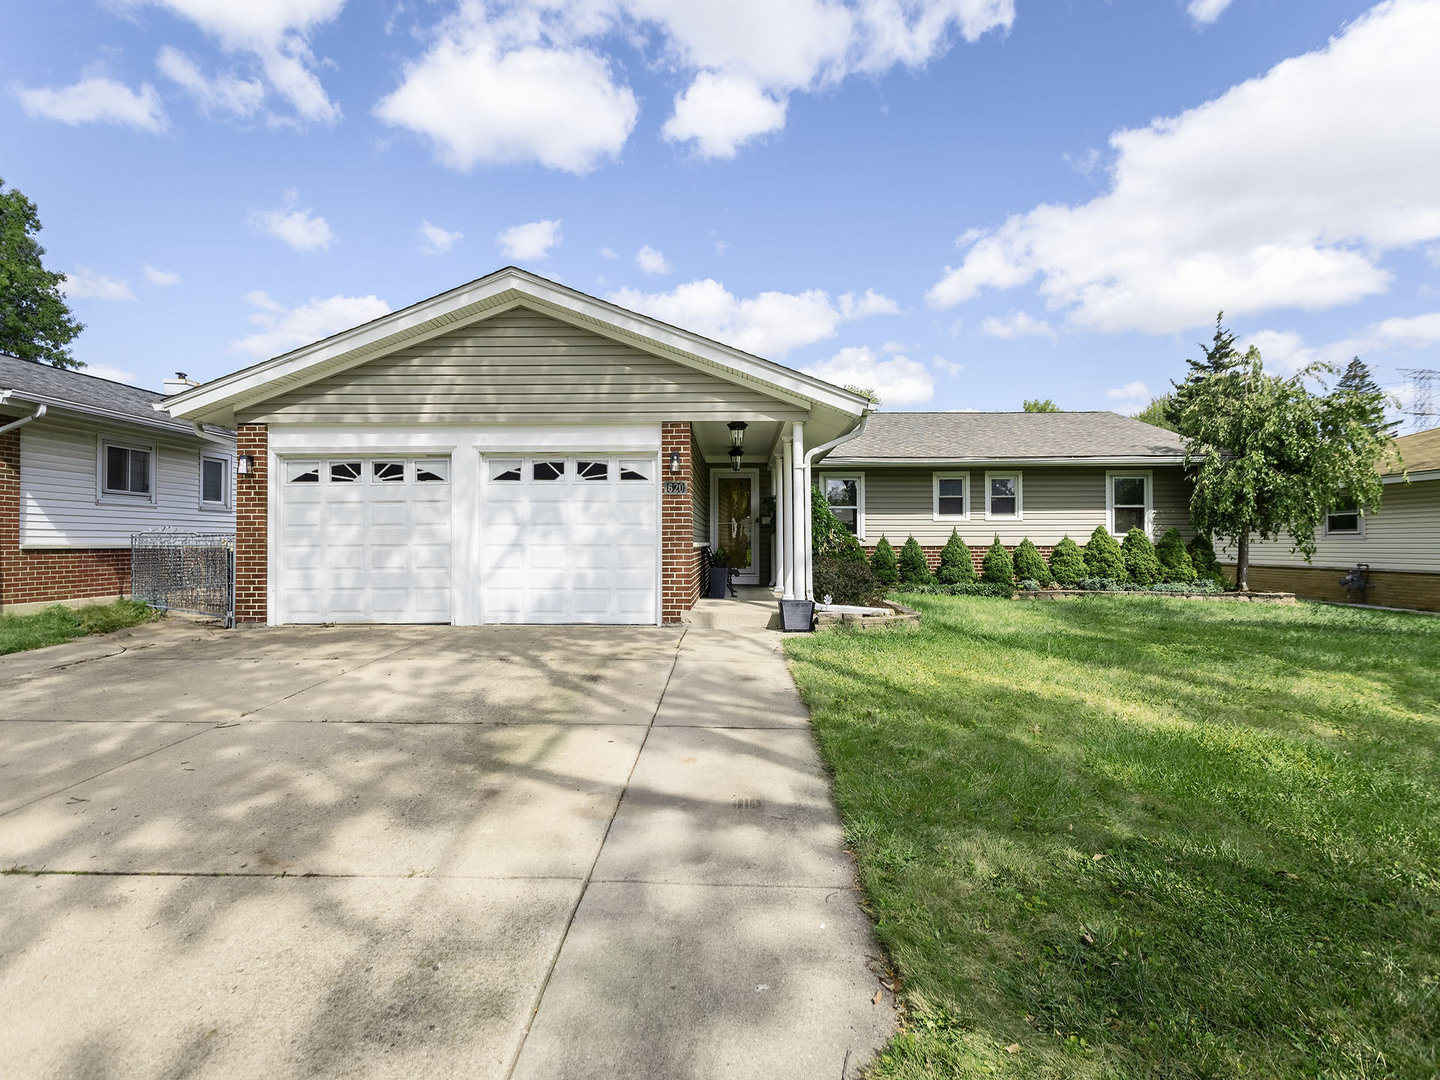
column 962, row 203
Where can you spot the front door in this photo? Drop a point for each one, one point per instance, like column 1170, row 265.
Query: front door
column 735, row 523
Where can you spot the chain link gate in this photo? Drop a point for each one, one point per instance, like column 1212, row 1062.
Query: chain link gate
column 185, row 571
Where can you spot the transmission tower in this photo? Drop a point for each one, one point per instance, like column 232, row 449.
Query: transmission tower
column 1421, row 408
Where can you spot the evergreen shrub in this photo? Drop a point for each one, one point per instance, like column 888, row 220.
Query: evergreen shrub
column 1067, row 564
column 1030, row 564
column 1103, row 557
column 1207, row 566
column 997, row 567
column 1175, row 564
column 956, row 565
column 883, row 564
column 914, row 570
column 1141, row 562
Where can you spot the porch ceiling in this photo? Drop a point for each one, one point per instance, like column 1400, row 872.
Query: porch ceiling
column 714, row 439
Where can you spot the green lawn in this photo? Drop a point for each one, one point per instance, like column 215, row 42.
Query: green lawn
column 1144, row 837
column 60, row 623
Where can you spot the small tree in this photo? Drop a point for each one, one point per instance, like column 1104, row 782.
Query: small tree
column 1202, row 557
column 1067, row 564
column 1039, row 405
column 1103, row 558
column 914, row 570
column 957, row 566
column 829, row 536
column 1141, row 562
column 35, row 321
column 1175, row 564
column 1030, row 566
column 1156, row 414
column 882, row 562
column 1268, row 456
column 997, row 567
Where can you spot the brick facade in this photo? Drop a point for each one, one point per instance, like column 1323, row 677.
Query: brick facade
column 1388, row 588
column 252, row 523
column 682, row 567
column 49, row 576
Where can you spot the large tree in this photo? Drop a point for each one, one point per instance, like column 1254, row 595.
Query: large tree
column 35, row 322
column 1268, row 455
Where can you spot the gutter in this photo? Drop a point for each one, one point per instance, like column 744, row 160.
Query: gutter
column 40, row 411
column 807, row 526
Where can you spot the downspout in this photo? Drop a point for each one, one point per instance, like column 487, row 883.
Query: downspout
column 36, row 415
column 823, row 448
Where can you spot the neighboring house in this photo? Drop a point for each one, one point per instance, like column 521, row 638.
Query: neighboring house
column 1400, row 541
column 514, row 451
column 84, row 464
column 1011, row 475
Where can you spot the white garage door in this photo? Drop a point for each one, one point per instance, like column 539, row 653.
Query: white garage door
column 570, row 539
column 365, row 540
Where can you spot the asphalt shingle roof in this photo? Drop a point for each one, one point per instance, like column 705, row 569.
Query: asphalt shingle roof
column 63, row 388
column 1006, row 436
column 1420, row 452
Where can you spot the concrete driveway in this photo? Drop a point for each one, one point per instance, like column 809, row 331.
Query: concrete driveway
column 423, row 852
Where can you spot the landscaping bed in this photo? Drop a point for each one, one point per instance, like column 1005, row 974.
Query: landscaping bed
column 59, row 624
column 1128, row 838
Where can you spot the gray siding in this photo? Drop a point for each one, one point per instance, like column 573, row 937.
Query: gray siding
column 1403, row 535
column 518, row 367
column 1057, row 500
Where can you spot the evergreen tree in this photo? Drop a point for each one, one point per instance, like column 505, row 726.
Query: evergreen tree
column 1141, row 562
column 1067, row 564
column 882, row 562
column 957, row 567
column 35, row 321
column 1103, row 558
column 1175, row 564
column 1030, row 566
column 997, row 567
column 914, row 570
column 1202, row 558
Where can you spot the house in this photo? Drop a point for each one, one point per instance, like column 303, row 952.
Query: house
column 1400, row 542
column 515, row 451
column 84, row 464
column 1011, row 475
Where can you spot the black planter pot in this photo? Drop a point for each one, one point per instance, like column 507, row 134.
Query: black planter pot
column 719, row 582
column 797, row 616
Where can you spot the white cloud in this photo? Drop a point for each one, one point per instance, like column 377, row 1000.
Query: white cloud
column 722, row 112
column 1248, row 202
column 897, row 379
column 163, row 278
column 1285, row 351
column 1018, row 324
column 950, row 367
column 114, row 374
column 608, row 253
column 1206, row 11
column 436, row 241
column 652, row 261
column 282, row 330
column 868, row 303
column 220, row 94
column 275, row 35
column 769, row 324
column 300, row 228
column 97, row 100
column 86, row 284
column 530, row 242
column 1135, row 391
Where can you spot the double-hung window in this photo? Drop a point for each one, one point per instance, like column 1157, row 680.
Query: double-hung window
column 1128, row 499
column 214, row 482
column 846, row 496
column 127, row 470
column 1004, row 496
column 1344, row 519
column 951, row 496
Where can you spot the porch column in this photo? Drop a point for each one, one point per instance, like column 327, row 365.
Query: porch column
column 800, row 539
column 786, row 506
column 777, row 531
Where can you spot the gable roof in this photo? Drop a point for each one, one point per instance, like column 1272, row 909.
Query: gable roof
column 1419, row 452
column 216, row 401
column 959, row 437
column 61, row 388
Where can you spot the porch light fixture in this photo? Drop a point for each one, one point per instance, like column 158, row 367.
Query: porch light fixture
column 675, row 461
column 737, row 442
column 244, row 463
column 735, row 455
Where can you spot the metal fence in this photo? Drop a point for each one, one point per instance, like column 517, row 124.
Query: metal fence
column 185, row 571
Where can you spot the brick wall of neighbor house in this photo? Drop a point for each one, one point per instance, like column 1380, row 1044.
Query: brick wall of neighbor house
column 680, row 560
column 252, row 514
column 977, row 553
column 43, row 576
column 1388, row 588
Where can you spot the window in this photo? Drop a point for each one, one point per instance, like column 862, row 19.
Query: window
column 845, row 496
column 344, row 472
column 547, row 470
column 302, row 472
column 634, row 470
column 214, row 482
column 952, row 495
column 125, row 470
column 1344, row 518
column 505, row 472
column 1128, row 501
column 388, row 472
column 1004, row 496
column 592, row 470
column 437, row 471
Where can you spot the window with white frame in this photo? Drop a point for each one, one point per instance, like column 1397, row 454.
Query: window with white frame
column 951, row 496
column 1004, row 495
column 127, row 469
column 846, row 495
column 214, row 482
column 1128, row 498
column 1344, row 518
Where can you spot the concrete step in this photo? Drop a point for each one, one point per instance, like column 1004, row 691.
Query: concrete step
column 735, row 614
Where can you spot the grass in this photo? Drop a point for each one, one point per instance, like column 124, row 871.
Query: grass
column 59, row 624
column 1141, row 837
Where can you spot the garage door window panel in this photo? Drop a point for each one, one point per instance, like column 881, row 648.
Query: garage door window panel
column 344, row 472
column 302, row 472
column 592, row 470
column 505, row 472
column 634, row 471
column 387, row 472
column 433, row 471
column 547, row 471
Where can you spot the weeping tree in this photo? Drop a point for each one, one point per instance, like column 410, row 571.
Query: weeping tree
column 1268, row 455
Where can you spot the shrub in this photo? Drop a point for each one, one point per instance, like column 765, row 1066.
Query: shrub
column 914, row 570
column 956, row 564
column 1067, row 564
column 1140, row 561
column 1103, row 558
column 969, row 588
column 883, row 564
column 1207, row 566
column 829, row 537
column 1175, row 564
column 1105, row 584
column 1030, row 564
column 997, row 567
column 1204, row 585
column 846, row 582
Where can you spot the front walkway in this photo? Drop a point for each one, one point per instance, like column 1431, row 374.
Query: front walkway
column 424, row 852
